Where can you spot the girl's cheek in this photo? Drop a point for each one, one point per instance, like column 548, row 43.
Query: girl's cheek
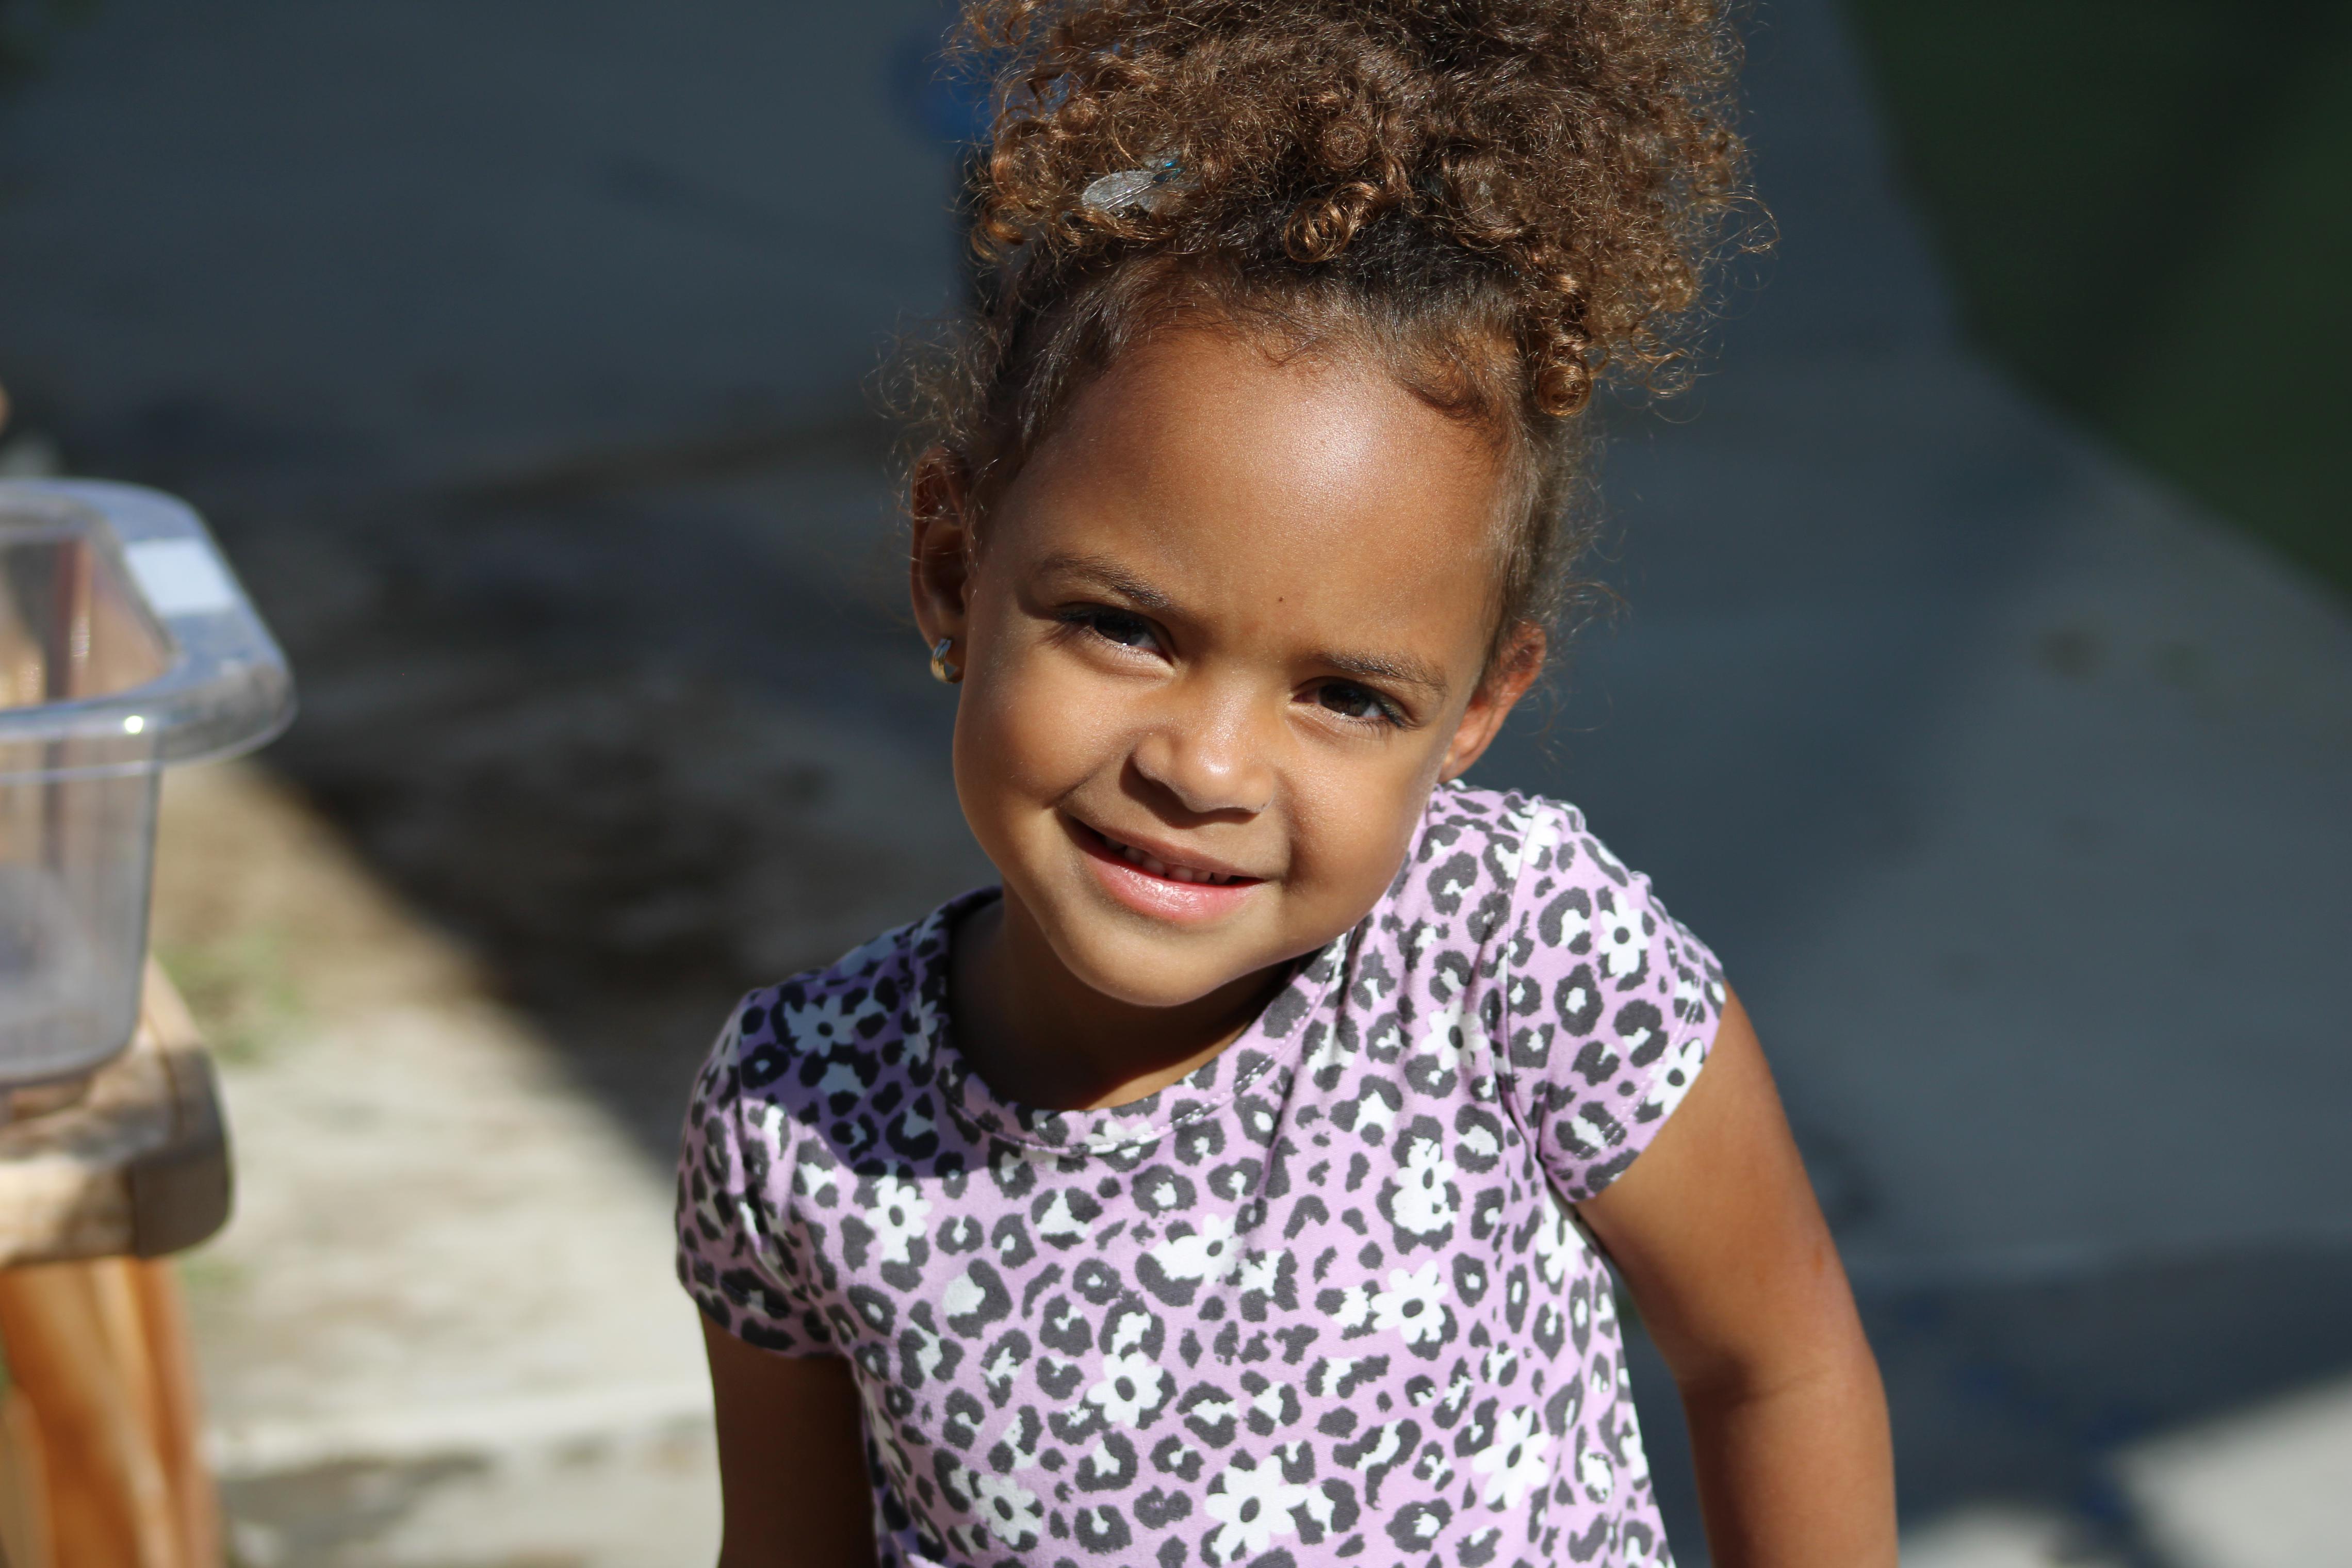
column 1352, row 824
column 1038, row 726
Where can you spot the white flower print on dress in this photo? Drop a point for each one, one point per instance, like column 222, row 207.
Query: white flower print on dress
column 898, row 1216
column 1197, row 1256
column 1455, row 1039
column 1514, row 1463
column 1131, row 1389
column 1622, row 941
column 1011, row 1512
column 1413, row 1306
column 1424, row 1189
column 819, row 1026
column 1250, row 1503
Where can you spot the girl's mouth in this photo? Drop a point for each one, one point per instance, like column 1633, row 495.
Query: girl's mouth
column 1165, row 889
column 1159, row 867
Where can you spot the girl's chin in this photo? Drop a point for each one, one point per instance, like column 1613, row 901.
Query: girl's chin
column 1145, row 962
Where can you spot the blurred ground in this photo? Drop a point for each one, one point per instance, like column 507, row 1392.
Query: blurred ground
column 439, row 1330
column 514, row 354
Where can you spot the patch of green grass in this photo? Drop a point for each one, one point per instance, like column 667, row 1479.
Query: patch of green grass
column 2145, row 207
column 238, row 988
column 204, row 1273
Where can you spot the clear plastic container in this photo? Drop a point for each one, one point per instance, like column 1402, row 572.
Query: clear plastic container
column 125, row 644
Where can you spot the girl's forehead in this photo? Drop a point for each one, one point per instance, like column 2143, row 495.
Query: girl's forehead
column 1212, row 403
column 1311, row 480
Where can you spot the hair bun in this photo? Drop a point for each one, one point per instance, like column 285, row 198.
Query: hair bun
column 1584, row 150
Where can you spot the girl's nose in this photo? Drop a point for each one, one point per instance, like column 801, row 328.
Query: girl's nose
column 1210, row 758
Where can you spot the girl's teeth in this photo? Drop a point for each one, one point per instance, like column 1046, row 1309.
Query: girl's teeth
column 1135, row 856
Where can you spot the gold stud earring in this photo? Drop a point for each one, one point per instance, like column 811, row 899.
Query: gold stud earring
column 941, row 670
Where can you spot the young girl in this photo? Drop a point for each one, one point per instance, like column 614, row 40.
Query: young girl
column 1234, row 1185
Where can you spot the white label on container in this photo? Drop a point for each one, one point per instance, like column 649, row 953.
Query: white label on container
column 180, row 577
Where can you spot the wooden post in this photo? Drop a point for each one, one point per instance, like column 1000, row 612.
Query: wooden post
column 101, row 1463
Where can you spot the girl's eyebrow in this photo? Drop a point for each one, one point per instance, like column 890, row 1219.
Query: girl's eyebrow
column 1396, row 669
column 1106, row 574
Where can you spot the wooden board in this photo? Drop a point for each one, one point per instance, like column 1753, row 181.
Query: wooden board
column 139, row 1165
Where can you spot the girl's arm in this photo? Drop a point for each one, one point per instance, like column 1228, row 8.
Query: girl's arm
column 1717, row 1233
column 791, row 1465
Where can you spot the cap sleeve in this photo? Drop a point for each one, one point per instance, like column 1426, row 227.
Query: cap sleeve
column 1610, row 1005
column 743, row 1253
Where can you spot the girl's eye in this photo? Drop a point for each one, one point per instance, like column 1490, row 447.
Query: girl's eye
column 1352, row 701
column 1116, row 626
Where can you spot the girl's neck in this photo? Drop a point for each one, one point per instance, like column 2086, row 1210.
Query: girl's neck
column 1038, row 1035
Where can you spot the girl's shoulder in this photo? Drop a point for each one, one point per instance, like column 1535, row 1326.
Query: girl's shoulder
column 802, row 1053
column 881, row 1002
column 1480, row 851
column 1518, row 925
column 814, row 1085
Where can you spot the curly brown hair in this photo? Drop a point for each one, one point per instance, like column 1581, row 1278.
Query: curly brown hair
column 1502, row 200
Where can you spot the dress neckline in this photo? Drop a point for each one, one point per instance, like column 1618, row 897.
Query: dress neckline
column 1272, row 1037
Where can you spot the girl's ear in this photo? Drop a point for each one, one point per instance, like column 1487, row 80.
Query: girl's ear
column 1520, row 660
column 939, row 562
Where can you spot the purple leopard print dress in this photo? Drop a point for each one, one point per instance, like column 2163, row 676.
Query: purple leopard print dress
column 1323, row 1301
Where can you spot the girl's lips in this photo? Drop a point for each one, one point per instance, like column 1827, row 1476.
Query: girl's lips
column 1163, row 894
